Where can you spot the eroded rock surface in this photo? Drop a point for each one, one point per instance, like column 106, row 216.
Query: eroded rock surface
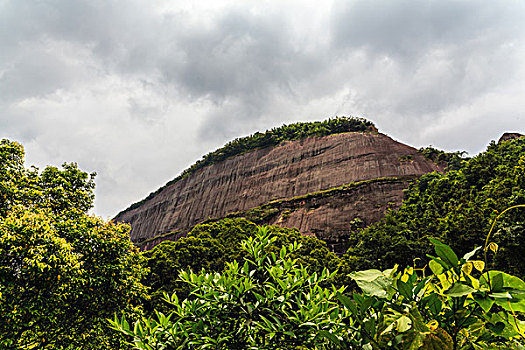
column 292, row 169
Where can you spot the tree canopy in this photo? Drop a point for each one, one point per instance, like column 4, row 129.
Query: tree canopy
column 211, row 246
column 62, row 272
column 269, row 301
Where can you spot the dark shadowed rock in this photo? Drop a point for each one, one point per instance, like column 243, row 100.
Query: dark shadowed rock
column 509, row 136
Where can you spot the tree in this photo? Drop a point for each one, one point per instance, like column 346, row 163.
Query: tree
column 62, row 272
column 266, row 301
column 211, row 246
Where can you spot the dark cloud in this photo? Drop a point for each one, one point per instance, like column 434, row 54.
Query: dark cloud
column 138, row 90
column 407, row 29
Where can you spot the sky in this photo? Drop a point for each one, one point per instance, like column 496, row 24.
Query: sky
column 138, row 90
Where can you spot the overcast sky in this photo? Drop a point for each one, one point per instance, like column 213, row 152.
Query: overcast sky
column 138, row 90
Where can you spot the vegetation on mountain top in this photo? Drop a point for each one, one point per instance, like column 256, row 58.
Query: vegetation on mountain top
column 450, row 160
column 273, row 137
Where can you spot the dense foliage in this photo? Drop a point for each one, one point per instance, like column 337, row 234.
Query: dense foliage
column 451, row 160
column 269, row 138
column 268, row 301
column 62, row 272
column 456, row 207
column 211, row 246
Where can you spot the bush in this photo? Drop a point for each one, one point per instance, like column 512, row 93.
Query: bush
column 269, row 302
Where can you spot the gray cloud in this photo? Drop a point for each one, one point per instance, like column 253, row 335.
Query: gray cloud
column 407, row 29
column 137, row 91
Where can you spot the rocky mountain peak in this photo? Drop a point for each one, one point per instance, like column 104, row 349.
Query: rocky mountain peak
column 323, row 185
column 509, row 136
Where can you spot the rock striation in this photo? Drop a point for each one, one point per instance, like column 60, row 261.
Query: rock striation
column 320, row 185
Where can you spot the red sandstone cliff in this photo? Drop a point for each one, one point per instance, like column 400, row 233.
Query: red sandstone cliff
column 291, row 169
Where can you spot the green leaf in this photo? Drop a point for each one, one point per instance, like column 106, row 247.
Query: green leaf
column 372, row 282
column 497, row 328
column 437, row 266
column 404, row 323
column 405, row 289
column 433, row 303
column 501, row 295
column 458, row 290
column 378, row 287
column 484, row 302
column 504, row 280
column 370, row 327
column 445, row 253
column 348, row 303
column 366, row 275
column 497, row 282
column 512, row 305
column 330, row 336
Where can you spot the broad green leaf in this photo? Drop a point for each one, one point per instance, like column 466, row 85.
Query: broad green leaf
column 485, row 303
column 378, row 287
column 372, row 282
column 366, row 275
column 497, row 282
column 445, row 253
column 330, row 337
column 508, row 281
column 405, row 289
column 459, row 290
column 435, row 267
column 404, row 323
column 497, row 327
column 446, row 266
column 512, row 305
column 433, row 303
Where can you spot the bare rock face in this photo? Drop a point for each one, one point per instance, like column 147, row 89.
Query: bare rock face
column 298, row 180
column 509, row 136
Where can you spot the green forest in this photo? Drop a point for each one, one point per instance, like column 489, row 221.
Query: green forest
column 445, row 271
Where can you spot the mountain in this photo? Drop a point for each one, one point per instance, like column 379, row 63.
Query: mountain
column 327, row 181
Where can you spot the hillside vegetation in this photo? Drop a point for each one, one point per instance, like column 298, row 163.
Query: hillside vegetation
column 456, row 207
